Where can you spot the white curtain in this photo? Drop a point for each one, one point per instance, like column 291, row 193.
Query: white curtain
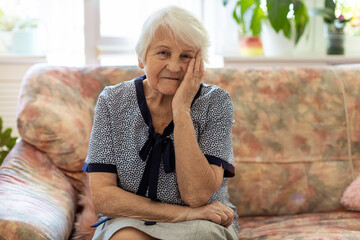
column 65, row 26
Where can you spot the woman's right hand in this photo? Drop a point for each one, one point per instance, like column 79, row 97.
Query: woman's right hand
column 215, row 212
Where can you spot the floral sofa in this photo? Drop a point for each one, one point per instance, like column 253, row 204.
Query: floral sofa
column 296, row 141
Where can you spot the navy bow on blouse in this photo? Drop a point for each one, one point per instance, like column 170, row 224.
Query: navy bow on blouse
column 157, row 147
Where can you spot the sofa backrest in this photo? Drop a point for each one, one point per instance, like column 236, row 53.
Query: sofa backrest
column 295, row 139
column 291, row 137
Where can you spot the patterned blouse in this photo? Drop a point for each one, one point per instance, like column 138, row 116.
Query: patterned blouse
column 123, row 141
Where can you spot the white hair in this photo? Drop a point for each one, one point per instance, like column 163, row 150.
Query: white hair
column 182, row 25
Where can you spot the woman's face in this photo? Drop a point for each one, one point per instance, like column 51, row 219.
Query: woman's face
column 166, row 62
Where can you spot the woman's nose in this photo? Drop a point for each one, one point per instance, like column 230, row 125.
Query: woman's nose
column 174, row 65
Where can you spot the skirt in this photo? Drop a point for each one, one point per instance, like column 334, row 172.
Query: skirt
column 196, row 230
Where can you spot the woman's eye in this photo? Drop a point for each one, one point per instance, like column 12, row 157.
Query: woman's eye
column 162, row 53
column 186, row 56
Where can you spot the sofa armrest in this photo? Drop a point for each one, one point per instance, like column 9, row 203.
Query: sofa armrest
column 37, row 201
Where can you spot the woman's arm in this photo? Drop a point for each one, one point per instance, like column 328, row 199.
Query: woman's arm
column 113, row 202
column 197, row 179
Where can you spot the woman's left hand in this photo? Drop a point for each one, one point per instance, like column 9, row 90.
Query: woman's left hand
column 215, row 212
column 189, row 85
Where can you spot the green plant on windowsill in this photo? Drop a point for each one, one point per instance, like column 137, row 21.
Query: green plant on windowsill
column 6, row 141
column 249, row 15
column 9, row 23
column 334, row 23
column 22, row 35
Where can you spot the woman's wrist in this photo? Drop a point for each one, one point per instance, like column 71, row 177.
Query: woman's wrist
column 182, row 215
column 180, row 114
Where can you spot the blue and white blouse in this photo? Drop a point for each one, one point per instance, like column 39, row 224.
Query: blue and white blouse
column 123, row 141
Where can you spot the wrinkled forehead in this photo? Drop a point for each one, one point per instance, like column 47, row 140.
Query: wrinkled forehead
column 169, row 37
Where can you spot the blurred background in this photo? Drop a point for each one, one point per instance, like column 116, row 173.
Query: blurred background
column 79, row 32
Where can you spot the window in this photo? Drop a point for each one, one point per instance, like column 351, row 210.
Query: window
column 119, row 25
column 116, row 26
column 80, row 32
column 61, row 25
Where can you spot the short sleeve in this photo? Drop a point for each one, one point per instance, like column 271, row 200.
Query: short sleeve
column 215, row 140
column 100, row 156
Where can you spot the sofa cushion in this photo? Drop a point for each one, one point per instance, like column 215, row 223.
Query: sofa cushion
column 289, row 138
column 329, row 226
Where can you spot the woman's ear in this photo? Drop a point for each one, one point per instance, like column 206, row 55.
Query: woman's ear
column 140, row 64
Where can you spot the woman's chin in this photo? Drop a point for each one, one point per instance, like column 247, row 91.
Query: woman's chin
column 168, row 92
column 169, row 89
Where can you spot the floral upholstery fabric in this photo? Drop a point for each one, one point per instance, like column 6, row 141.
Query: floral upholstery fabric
column 321, row 226
column 296, row 141
column 56, row 110
column 290, row 140
column 350, row 76
column 37, row 201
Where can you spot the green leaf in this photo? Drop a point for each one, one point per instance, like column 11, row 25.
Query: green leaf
column 330, row 4
column 328, row 15
column 11, row 143
column 277, row 13
column 3, row 156
column 246, row 14
column 255, row 25
column 245, row 5
column 301, row 19
column 7, row 133
column 5, row 137
column 6, row 141
column 235, row 16
column 287, row 29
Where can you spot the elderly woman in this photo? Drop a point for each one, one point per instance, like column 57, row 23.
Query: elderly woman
column 160, row 150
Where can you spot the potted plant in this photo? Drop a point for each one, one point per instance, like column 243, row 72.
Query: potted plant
column 6, row 141
column 21, row 35
column 334, row 25
column 248, row 15
column 287, row 16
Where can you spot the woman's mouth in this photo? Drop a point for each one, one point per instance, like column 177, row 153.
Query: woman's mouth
column 172, row 78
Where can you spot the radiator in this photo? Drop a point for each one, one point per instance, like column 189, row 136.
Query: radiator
column 12, row 70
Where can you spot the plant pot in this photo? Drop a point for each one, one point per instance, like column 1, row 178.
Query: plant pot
column 276, row 44
column 335, row 43
column 335, row 39
column 250, row 46
column 24, row 41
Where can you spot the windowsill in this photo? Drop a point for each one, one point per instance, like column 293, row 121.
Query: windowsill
column 239, row 61
column 20, row 59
